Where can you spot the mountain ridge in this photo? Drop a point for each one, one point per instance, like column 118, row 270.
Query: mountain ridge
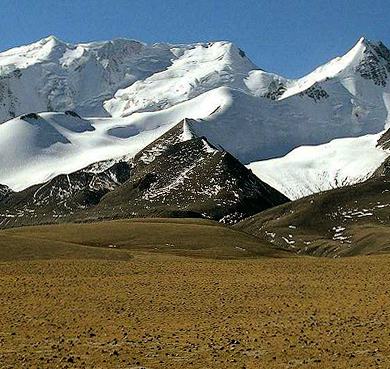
column 312, row 169
column 252, row 114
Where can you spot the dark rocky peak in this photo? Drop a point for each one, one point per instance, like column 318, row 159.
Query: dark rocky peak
column 375, row 65
column 175, row 176
column 4, row 192
column 384, row 141
column 181, row 132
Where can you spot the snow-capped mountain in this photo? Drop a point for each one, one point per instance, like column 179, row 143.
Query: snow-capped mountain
column 265, row 115
column 248, row 112
column 51, row 75
column 340, row 99
column 311, row 169
column 197, row 69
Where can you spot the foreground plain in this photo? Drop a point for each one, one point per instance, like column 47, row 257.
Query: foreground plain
column 165, row 311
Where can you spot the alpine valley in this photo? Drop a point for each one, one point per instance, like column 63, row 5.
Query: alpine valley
column 119, row 129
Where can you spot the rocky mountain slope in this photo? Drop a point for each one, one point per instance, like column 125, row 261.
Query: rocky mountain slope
column 178, row 175
column 4, row 192
column 181, row 173
column 62, row 196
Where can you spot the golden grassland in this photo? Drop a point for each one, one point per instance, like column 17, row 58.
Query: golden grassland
column 160, row 310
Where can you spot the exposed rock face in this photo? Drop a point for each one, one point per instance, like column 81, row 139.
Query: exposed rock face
column 384, row 141
column 62, row 196
column 376, row 64
column 275, row 90
column 4, row 192
column 316, row 92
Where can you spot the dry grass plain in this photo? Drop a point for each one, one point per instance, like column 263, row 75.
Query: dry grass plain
column 184, row 237
column 159, row 310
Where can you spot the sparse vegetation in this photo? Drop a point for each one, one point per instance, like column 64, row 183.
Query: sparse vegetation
column 162, row 311
column 186, row 237
column 347, row 221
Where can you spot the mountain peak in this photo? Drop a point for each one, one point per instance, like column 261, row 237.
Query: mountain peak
column 53, row 39
column 374, row 64
column 362, row 40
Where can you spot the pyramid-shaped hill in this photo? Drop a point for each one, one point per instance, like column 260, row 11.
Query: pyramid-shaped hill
column 181, row 174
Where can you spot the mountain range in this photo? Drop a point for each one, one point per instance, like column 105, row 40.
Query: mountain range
column 119, row 129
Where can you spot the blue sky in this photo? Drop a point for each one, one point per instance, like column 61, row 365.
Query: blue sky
column 289, row 37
